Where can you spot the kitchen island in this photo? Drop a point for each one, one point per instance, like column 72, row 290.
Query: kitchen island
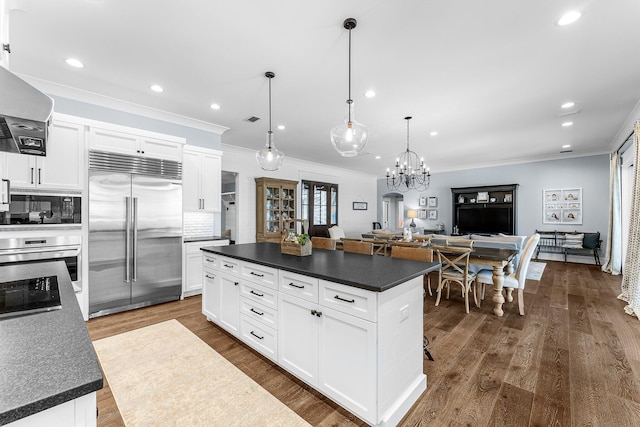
column 349, row 325
column 49, row 373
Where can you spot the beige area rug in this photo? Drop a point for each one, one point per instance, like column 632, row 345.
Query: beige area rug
column 164, row 375
column 535, row 270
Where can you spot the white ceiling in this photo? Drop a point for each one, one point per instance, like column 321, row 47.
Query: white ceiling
column 489, row 76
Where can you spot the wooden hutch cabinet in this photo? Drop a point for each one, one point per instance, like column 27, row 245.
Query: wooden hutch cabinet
column 484, row 210
column 275, row 203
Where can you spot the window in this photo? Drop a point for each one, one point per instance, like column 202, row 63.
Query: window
column 319, row 206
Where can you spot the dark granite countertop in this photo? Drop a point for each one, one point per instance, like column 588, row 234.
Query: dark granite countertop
column 375, row 273
column 46, row 358
column 203, row 239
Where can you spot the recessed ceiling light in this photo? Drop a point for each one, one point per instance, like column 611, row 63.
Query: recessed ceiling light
column 156, row 88
column 568, row 104
column 434, row 133
column 281, row 127
column 567, row 124
column 74, row 62
column 566, row 146
column 378, row 157
column 214, row 106
column 569, row 18
column 370, row 93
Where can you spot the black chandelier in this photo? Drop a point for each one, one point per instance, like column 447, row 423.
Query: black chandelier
column 409, row 172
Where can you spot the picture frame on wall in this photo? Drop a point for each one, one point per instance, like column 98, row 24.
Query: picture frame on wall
column 433, row 214
column 422, row 214
column 422, row 201
column 360, row 206
column 432, row 202
column 562, row 206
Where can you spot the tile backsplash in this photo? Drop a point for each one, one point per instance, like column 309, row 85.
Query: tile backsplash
column 197, row 224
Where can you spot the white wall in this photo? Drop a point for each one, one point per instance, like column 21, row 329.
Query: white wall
column 352, row 186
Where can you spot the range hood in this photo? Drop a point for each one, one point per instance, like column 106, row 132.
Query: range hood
column 25, row 113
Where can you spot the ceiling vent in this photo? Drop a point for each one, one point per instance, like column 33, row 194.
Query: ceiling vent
column 568, row 113
column 252, row 119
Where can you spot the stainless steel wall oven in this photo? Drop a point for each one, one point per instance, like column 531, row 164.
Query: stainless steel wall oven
column 32, row 249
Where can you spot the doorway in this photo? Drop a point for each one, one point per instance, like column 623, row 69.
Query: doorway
column 392, row 211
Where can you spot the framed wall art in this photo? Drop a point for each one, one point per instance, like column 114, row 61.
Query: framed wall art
column 433, row 214
column 422, row 201
column 432, row 202
column 360, row 206
column 422, row 214
column 562, row 206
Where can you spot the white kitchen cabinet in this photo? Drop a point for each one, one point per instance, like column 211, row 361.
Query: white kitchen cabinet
column 135, row 142
column 330, row 350
column 201, row 185
column 230, row 303
column 61, row 169
column 211, row 295
column 362, row 349
column 79, row 412
column 192, row 265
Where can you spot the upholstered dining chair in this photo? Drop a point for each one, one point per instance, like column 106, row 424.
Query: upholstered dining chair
column 516, row 280
column 357, row 247
column 323, row 243
column 416, row 254
column 454, row 268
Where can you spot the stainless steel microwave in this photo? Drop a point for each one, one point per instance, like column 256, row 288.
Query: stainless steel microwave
column 34, row 209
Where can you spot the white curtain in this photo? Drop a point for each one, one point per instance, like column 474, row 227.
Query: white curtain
column 613, row 250
column 631, row 272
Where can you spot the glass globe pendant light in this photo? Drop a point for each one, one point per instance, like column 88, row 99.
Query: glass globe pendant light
column 270, row 158
column 349, row 137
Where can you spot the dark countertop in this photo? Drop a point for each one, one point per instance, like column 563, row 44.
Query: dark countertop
column 46, row 358
column 203, row 239
column 375, row 273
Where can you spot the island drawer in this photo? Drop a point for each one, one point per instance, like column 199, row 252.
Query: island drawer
column 229, row 265
column 266, row 276
column 258, row 293
column 348, row 299
column 259, row 312
column 210, row 260
column 261, row 338
column 300, row 286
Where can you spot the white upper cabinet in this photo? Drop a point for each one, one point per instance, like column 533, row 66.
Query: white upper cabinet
column 201, row 169
column 135, row 144
column 61, row 169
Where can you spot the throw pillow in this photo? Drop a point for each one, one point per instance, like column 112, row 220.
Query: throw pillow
column 591, row 240
column 573, row 241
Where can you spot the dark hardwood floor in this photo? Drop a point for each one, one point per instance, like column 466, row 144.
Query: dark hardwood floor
column 572, row 360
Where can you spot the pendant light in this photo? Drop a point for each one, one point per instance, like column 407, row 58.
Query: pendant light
column 270, row 158
column 349, row 137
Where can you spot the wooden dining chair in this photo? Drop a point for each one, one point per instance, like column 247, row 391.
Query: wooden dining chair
column 513, row 281
column 454, row 268
column 357, row 247
column 416, row 254
column 323, row 243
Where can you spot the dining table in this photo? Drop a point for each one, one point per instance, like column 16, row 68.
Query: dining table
column 501, row 261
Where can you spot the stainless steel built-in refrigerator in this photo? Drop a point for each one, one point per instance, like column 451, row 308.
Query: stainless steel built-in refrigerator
column 135, row 232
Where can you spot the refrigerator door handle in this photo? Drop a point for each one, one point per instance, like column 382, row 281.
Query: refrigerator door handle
column 135, row 239
column 127, row 240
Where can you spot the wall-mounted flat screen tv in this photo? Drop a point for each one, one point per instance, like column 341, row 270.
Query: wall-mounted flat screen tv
column 489, row 220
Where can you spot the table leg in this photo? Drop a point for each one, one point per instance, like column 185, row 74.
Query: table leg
column 498, row 282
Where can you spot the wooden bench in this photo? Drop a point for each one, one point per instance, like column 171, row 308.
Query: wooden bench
column 556, row 242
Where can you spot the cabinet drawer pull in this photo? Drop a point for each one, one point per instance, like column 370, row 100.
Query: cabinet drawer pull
column 228, row 266
column 210, row 260
column 255, row 293
column 256, row 274
column 39, row 176
column 296, row 286
column 256, row 312
column 32, row 175
column 316, row 313
column 209, row 277
column 345, row 300
column 257, row 336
